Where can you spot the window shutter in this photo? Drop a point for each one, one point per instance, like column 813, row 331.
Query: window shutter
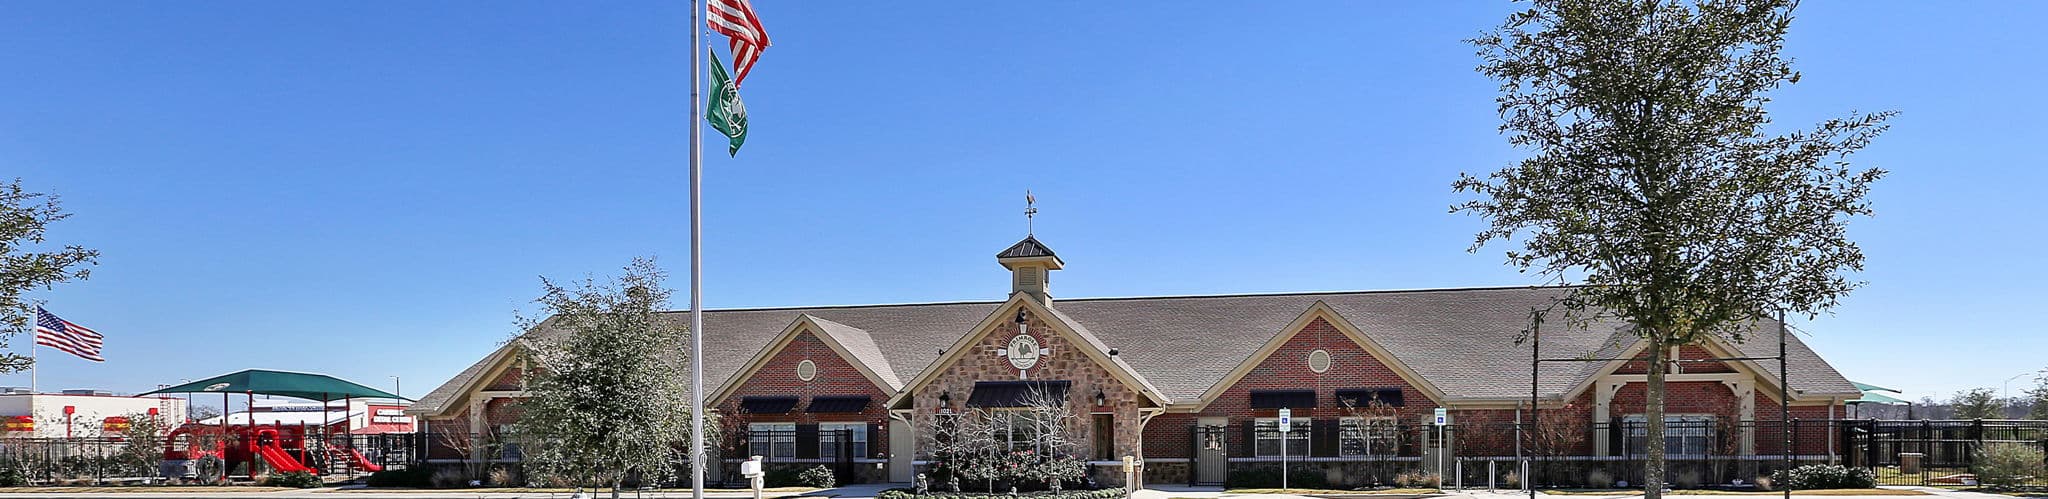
column 1251, row 440
column 1323, row 438
column 806, row 441
column 878, row 442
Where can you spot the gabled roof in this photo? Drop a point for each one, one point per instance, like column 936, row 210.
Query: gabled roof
column 1463, row 341
column 848, row 342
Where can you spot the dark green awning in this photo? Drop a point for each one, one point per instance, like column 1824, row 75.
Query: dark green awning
column 308, row 386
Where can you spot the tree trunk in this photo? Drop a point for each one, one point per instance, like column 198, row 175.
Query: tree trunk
column 1653, row 419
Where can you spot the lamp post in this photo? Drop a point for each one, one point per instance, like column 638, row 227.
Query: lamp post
column 397, row 390
column 2007, row 391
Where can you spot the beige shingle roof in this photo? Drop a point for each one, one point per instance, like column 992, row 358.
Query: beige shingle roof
column 1461, row 340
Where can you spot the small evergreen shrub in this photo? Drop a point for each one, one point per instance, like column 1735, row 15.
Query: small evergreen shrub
column 1268, row 477
column 1109, row 493
column 780, row 477
column 1823, row 476
column 414, row 477
column 294, row 479
column 817, row 476
column 2008, row 465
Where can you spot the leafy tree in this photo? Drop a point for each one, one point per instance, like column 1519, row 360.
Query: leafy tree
column 2038, row 399
column 24, row 217
column 608, row 397
column 144, row 451
column 1977, row 403
column 1654, row 185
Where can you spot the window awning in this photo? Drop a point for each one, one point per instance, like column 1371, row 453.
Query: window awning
column 767, row 405
column 1365, row 397
column 838, row 404
column 1275, row 399
column 1015, row 393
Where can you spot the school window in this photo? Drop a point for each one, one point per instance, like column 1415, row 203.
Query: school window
column 1019, row 429
column 1367, row 436
column 830, row 433
column 1267, row 432
column 772, row 440
column 1684, row 435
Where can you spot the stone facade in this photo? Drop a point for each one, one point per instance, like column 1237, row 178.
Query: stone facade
column 1065, row 360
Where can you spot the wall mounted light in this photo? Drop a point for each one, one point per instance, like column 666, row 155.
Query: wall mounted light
column 945, row 399
column 1021, row 317
column 1100, row 398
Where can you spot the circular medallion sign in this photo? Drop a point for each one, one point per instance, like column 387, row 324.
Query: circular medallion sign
column 216, row 387
column 1319, row 360
column 1023, row 351
column 807, row 370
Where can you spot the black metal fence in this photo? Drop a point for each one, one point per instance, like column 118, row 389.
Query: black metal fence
column 1701, row 451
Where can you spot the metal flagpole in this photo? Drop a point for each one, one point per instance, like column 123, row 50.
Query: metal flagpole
column 697, row 48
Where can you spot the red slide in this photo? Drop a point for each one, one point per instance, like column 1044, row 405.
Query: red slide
column 362, row 462
column 280, row 461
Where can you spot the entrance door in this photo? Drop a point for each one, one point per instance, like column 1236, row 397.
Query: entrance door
column 1212, row 451
column 901, row 470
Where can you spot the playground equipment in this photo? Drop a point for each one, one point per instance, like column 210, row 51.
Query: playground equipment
column 281, row 447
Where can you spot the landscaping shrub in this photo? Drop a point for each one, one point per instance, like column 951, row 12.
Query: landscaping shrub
column 780, row 477
column 1599, row 479
column 415, row 477
column 1268, row 477
column 1109, row 493
column 1418, row 479
column 1822, row 476
column 449, row 478
column 817, row 476
column 2008, row 465
column 13, row 477
column 1511, row 480
column 294, row 479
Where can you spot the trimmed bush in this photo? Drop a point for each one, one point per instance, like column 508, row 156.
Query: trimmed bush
column 1109, row 493
column 2007, row 465
column 1823, row 476
column 1268, row 477
column 294, row 479
column 817, row 476
column 414, row 477
column 780, row 477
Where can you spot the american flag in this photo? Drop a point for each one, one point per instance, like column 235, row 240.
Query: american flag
column 736, row 20
column 71, row 338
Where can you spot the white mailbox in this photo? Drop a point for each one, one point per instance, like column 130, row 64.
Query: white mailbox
column 751, row 467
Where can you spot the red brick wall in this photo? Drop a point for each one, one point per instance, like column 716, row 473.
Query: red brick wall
column 836, row 377
column 1287, row 369
column 508, row 380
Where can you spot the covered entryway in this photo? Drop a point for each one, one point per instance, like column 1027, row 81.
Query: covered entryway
column 1212, row 451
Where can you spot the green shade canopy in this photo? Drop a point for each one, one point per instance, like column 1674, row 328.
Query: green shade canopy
column 1872, row 388
column 308, row 386
column 1876, row 398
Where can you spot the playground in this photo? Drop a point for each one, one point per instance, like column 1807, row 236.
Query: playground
column 339, row 436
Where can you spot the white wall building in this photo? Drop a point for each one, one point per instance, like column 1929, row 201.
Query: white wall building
column 78, row 413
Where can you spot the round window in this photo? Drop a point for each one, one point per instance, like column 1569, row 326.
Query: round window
column 807, row 370
column 1319, row 360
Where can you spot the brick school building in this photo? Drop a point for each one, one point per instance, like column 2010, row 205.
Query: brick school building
column 1191, row 387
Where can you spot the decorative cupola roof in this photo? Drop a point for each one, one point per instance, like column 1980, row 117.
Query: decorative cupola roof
column 1029, row 262
column 1028, row 250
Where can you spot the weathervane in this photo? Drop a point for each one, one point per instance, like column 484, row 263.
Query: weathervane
column 1030, row 210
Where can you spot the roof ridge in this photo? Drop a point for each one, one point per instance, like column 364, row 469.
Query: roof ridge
column 1157, row 297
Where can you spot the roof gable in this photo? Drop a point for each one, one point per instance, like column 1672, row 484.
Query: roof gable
column 849, row 343
column 1095, row 349
column 1320, row 310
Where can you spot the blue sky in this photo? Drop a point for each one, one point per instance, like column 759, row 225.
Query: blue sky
column 373, row 189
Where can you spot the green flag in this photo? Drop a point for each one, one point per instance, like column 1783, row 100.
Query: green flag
column 725, row 111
